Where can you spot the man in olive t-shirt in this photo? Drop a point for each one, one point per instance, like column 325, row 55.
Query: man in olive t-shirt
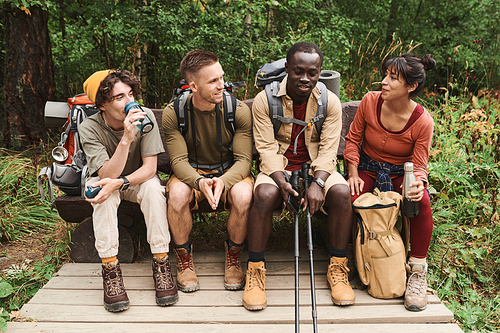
column 209, row 163
column 123, row 162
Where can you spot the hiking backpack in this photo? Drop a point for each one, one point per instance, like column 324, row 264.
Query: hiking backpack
column 269, row 76
column 179, row 97
column 380, row 251
column 69, row 172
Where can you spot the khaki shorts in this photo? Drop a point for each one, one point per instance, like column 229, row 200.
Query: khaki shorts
column 199, row 196
column 334, row 179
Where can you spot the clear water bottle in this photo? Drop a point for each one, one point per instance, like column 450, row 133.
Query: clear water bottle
column 410, row 207
column 146, row 124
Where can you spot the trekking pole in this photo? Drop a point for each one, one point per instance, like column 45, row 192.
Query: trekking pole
column 295, row 185
column 305, row 175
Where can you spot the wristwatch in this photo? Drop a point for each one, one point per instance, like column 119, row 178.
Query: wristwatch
column 125, row 185
column 197, row 182
column 320, row 182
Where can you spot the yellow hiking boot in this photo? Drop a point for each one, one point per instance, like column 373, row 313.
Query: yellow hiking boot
column 254, row 297
column 337, row 276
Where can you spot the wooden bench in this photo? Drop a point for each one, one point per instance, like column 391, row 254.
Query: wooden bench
column 130, row 219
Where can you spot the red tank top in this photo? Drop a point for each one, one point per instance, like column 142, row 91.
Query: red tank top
column 295, row 161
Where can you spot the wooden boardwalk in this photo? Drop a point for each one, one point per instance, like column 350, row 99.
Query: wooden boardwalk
column 72, row 302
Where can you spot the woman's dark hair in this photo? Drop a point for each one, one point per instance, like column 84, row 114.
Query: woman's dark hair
column 411, row 68
column 103, row 94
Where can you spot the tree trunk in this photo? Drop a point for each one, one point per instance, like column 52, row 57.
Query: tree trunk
column 29, row 78
column 153, row 87
column 393, row 13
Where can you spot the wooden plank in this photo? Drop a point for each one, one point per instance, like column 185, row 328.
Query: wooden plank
column 277, row 282
column 383, row 314
column 202, row 269
column 212, row 283
column 38, row 327
column 206, row 298
column 320, row 255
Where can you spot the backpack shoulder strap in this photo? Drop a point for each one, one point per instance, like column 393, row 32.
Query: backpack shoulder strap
column 322, row 106
column 230, row 104
column 275, row 106
column 180, row 108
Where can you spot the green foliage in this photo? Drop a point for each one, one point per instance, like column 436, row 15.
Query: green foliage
column 22, row 211
column 150, row 38
column 464, row 173
column 22, row 214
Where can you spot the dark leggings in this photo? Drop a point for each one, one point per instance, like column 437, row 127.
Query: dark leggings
column 420, row 226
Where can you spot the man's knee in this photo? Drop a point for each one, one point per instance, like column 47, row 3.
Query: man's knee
column 266, row 197
column 241, row 195
column 179, row 195
column 338, row 194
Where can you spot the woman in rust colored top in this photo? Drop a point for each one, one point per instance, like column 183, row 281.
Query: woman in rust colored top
column 389, row 129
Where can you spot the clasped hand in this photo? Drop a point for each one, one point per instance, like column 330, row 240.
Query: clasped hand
column 212, row 188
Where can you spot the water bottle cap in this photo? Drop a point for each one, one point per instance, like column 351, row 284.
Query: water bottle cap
column 130, row 105
column 408, row 166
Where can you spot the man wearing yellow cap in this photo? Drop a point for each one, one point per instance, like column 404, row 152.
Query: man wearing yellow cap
column 122, row 160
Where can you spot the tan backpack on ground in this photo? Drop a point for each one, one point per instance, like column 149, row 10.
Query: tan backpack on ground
column 379, row 249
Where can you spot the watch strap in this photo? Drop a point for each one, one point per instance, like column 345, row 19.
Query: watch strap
column 319, row 181
column 125, row 185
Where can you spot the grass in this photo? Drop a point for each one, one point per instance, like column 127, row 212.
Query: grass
column 464, row 170
column 25, row 218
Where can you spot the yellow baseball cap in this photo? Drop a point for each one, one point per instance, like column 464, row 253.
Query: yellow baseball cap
column 91, row 85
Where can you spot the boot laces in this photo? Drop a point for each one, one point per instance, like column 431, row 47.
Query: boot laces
column 233, row 259
column 185, row 261
column 113, row 281
column 161, row 273
column 257, row 278
column 339, row 273
column 417, row 284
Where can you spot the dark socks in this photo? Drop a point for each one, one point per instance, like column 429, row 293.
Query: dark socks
column 230, row 244
column 256, row 256
column 334, row 252
column 186, row 246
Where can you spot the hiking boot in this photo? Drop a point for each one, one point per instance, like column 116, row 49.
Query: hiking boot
column 416, row 287
column 338, row 278
column 234, row 279
column 166, row 290
column 115, row 296
column 254, row 296
column 186, row 276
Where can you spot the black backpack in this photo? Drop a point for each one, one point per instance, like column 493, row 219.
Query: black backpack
column 269, row 76
column 179, row 97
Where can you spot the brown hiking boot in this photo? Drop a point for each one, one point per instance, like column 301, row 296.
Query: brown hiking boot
column 166, row 290
column 234, row 279
column 416, row 287
column 254, row 296
column 337, row 276
column 115, row 296
column 186, row 276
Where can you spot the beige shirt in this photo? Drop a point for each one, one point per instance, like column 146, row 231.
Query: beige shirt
column 322, row 148
column 99, row 142
column 182, row 150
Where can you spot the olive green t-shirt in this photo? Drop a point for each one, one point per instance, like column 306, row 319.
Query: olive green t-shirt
column 99, row 142
column 181, row 150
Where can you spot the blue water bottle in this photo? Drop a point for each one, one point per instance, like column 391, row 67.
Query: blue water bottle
column 146, row 124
